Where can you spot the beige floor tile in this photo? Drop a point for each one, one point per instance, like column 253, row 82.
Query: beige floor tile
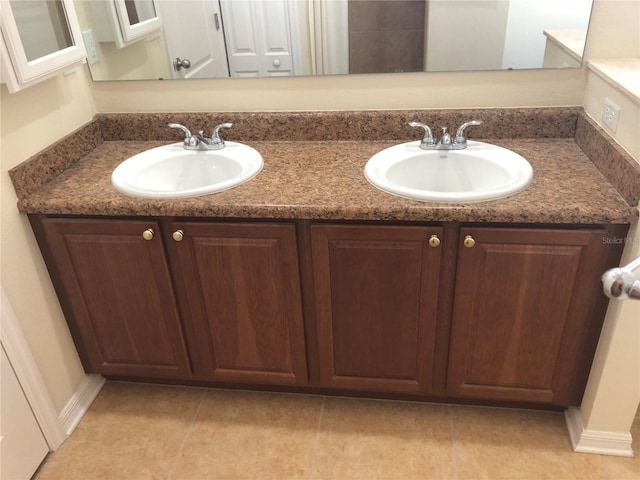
column 369, row 439
column 515, row 444
column 130, row 432
column 621, row 468
column 250, row 435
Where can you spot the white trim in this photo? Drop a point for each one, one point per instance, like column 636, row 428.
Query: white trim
column 27, row 71
column 596, row 441
column 29, row 376
column 80, row 402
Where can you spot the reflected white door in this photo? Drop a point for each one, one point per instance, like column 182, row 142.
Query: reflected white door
column 22, row 445
column 193, row 31
column 258, row 37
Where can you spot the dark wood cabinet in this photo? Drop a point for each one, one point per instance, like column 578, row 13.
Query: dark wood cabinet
column 485, row 313
column 241, row 287
column 117, row 295
column 527, row 311
column 376, row 303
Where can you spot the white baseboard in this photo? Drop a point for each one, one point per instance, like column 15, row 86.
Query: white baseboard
column 80, row 402
column 596, row 441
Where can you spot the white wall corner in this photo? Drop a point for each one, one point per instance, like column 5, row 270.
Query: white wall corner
column 29, row 376
column 80, row 402
column 596, row 441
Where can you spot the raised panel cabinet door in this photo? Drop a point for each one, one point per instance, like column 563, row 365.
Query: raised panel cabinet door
column 242, row 290
column 115, row 288
column 376, row 305
column 524, row 307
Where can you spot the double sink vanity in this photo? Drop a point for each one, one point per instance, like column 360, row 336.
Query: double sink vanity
column 317, row 262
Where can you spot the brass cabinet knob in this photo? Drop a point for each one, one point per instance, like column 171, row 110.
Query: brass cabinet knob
column 434, row 241
column 148, row 234
column 469, row 242
column 178, row 235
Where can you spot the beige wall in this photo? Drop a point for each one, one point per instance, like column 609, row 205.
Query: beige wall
column 30, row 121
column 38, row 116
column 613, row 392
column 598, row 89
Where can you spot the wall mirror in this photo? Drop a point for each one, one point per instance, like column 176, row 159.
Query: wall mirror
column 259, row 38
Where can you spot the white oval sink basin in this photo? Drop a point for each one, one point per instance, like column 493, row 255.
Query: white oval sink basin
column 171, row 171
column 480, row 172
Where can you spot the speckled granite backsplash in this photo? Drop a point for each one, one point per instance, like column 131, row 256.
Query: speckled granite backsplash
column 55, row 159
column 611, row 159
column 345, row 125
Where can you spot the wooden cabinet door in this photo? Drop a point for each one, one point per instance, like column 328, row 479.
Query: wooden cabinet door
column 115, row 289
column 242, row 291
column 376, row 304
column 526, row 310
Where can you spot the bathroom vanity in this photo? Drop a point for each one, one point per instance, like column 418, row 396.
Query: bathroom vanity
column 307, row 278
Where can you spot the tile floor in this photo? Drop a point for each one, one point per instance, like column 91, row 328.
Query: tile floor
column 155, row 432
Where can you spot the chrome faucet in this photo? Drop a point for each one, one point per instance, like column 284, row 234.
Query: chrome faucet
column 460, row 139
column 190, row 142
column 215, row 142
column 200, row 142
column 427, row 142
column 459, row 142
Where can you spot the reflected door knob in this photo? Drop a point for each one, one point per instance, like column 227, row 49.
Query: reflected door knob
column 434, row 241
column 180, row 64
column 178, row 235
column 148, row 234
column 276, row 63
column 469, row 242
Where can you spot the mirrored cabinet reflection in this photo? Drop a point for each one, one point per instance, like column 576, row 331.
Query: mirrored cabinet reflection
column 40, row 38
column 123, row 21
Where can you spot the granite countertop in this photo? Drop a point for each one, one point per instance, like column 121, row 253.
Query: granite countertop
column 325, row 180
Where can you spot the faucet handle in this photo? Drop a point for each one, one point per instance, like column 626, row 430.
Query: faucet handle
column 215, row 136
column 428, row 136
column 460, row 138
column 189, row 140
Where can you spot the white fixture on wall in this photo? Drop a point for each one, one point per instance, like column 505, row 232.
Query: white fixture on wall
column 124, row 22
column 610, row 115
column 39, row 39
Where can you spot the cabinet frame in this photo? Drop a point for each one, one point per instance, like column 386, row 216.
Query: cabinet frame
column 17, row 71
column 272, row 240
column 373, row 247
column 57, row 237
column 111, row 23
column 575, row 340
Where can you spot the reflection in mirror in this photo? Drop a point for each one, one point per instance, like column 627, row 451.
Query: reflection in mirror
column 258, row 38
column 42, row 26
column 139, row 10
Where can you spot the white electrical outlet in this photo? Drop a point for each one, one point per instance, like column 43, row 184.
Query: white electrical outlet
column 90, row 47
column 610, row 115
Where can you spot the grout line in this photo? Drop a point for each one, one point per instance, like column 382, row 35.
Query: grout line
column 186, row 436
column 317, row 440
column 454, row 452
